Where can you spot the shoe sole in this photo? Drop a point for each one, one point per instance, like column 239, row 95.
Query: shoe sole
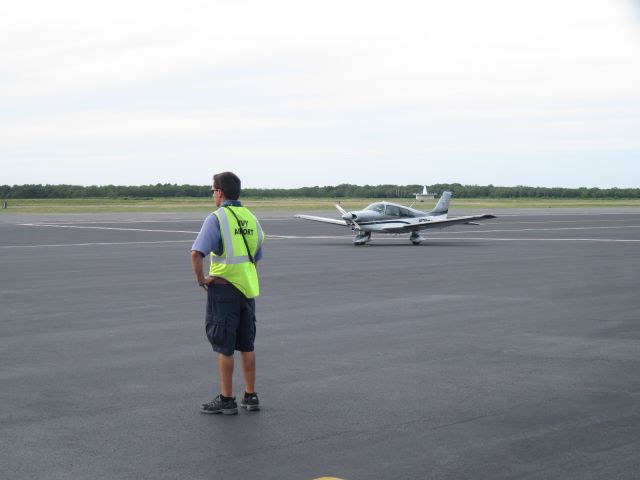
column 224, row 411
column 251, row 408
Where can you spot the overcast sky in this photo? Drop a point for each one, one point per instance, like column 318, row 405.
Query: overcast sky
column 291, row 93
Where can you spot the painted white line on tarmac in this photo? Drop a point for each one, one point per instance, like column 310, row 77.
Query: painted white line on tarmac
column 115, row 222
column 427, row 239
column 535, row 222
column 95, row 243
column 125, row 222
column 554, row 229
column 542, row 213
column 104, row 228
column 321, row 237
column 431, row 235
column 604, row 240
column 298, row 237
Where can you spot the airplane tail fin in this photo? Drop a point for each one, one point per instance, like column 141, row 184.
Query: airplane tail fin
column 442, row 207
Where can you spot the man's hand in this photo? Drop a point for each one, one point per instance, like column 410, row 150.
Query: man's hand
column 205, row 282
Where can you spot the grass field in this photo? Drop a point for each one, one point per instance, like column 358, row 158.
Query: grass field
column 189, row 204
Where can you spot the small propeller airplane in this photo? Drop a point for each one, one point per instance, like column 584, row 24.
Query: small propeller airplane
column 387, row 217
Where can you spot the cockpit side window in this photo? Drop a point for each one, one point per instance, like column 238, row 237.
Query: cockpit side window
column 405, row 213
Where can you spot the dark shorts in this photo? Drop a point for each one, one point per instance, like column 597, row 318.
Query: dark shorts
column 230, row 321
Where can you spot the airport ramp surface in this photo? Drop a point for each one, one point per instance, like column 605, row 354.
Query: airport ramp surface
column 508, row 350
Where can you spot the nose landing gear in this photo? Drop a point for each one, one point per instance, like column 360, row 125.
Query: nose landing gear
column 362, row 238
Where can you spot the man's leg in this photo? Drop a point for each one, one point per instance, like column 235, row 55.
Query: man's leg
column 249, row 370
column 225, row 368
column 219, row 404
column 250, row 402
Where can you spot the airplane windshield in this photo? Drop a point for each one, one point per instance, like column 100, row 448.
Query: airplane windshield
column 376, row 207
column 392, row 211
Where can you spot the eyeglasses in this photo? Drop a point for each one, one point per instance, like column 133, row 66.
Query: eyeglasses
column 213, row 190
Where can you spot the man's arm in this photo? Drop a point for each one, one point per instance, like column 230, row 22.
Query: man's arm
column 208, row 240
column 197, row 263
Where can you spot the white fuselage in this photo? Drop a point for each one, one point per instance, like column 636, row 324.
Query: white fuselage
column 380, row 217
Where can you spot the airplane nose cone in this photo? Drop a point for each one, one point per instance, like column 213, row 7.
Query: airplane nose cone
column 349, row 216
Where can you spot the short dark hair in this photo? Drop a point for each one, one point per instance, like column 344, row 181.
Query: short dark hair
column 229, row 183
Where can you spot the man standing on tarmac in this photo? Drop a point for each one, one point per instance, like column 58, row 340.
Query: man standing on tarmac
column 233, row 237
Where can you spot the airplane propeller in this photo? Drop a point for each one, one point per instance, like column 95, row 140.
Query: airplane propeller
column 348, row 216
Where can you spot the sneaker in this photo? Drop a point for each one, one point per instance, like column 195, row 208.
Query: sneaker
column 251, row 402
column 217, row 405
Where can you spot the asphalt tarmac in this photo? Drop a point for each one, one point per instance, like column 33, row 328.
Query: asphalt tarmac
column 506, row 350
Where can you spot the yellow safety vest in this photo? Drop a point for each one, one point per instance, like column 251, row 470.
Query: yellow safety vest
column 234, row 264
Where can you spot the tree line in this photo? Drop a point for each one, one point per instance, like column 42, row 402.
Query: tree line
column 338, row 191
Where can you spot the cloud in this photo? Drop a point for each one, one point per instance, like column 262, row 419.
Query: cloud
column 332, row 82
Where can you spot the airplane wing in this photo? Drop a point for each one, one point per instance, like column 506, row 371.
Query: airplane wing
column 335, row 221
column 447, row 222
